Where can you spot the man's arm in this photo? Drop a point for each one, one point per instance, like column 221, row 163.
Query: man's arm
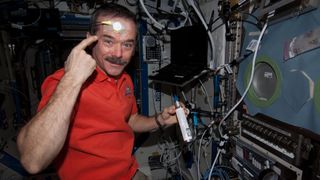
column 140, row 123
column 42, row 138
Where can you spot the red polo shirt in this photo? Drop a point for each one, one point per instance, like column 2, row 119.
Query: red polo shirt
column 100, row 141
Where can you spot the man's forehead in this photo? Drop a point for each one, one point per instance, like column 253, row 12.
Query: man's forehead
column 115, row 26
column 119, row 25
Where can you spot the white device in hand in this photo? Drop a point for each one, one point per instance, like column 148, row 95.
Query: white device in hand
column 183, row 123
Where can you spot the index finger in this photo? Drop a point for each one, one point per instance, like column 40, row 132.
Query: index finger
column 86, row 42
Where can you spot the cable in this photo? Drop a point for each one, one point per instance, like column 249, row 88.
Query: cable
column 227, row 168
column 161, row 26
column 249, row 84
column 247, row 21
column 214, row 163
column 236, row 20
column 15, row 90
column 175, row 158
column 218, row 173
column 57, row 3
column 199, row 150
column 157, row 24
column 255, row 17
column 184, row 96
column 211, row 23
column 199, row 153
column 160, row 11
column 179, row 167
column 154, row 100
column 206, row 93
column 20, row 26
column 191, row 3
column 132, row 3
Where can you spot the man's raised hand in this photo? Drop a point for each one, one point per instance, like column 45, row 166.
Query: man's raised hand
column 80, row 64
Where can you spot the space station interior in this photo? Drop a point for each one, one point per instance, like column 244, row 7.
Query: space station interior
column 247, row 71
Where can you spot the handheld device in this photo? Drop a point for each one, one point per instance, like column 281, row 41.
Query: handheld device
column 183, row 123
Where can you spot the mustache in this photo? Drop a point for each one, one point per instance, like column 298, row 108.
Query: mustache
column 115, row 60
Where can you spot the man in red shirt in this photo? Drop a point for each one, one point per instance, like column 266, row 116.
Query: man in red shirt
column 88, row 113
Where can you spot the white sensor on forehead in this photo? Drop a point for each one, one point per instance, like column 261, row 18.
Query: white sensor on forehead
column 116, row 26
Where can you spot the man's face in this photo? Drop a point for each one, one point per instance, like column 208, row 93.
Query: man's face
column 116, row 44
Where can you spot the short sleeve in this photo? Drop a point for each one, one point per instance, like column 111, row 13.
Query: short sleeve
column 48, row 87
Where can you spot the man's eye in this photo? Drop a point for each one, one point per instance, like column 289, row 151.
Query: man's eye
column 108, row 41
column 128, row 45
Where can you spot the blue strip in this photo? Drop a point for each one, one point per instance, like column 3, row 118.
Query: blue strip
column 12, row 163
column 144, row 72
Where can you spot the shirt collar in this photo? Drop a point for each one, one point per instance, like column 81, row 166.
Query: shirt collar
column 101, row 76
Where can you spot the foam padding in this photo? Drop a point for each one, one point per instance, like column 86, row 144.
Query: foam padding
column 296, row 97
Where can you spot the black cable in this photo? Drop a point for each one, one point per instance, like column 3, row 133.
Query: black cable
column 210, row 25
column 212, row 30
column 211, row 20
column 158, row 5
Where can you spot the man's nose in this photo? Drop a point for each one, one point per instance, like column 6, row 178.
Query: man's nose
column 117, row 50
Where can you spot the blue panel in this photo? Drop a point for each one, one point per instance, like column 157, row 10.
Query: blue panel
column 296, row 104
column 143, row 72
